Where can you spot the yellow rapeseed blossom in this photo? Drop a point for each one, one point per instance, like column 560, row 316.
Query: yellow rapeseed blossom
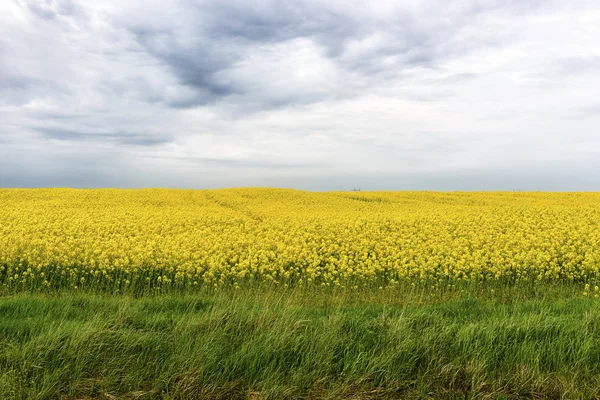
column 151, row 238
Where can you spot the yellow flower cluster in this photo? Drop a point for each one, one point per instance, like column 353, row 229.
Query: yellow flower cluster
column 109, row 238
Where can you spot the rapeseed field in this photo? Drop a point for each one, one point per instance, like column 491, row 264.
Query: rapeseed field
column 159, row 239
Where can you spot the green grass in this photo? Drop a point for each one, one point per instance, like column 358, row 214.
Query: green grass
column 258, row 344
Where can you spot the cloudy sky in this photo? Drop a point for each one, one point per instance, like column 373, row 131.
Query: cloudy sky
column 318, row 95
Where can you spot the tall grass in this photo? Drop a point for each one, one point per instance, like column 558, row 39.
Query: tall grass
column 301, row 344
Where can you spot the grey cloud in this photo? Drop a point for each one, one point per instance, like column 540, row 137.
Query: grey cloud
column 43, row 165
column 273, row 21
column 52, row 9
column 42, row 10
column 591, row 110
column 195, row 62
column 456, row 78
column 223, row 37
column 9, row 81
column 76, row 175
column 512, row 6
column 17, row 90
column 579, row 65
column 124, row 138
column 509, row 179
column 219, row 35
column 241, row 163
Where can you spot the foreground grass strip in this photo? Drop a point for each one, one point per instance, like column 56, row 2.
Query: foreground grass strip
column 272, row 345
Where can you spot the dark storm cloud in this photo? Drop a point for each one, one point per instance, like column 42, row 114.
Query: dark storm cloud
column 220, row 34
column 195, row 61
column 204, row 47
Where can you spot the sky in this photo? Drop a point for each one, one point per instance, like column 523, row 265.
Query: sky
column 313, row 95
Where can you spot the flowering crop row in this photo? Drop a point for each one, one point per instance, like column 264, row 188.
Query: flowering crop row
column 110, row 239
